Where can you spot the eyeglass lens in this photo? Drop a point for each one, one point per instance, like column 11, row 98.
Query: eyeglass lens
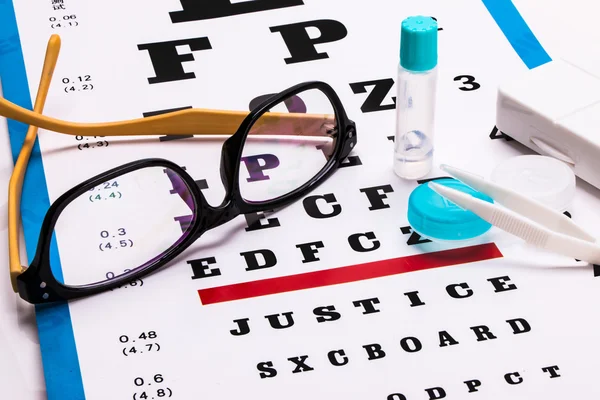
column 287, row 146
column 130, row 222
column 120, row 226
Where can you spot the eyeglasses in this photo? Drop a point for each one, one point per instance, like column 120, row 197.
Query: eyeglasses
column 127, row 222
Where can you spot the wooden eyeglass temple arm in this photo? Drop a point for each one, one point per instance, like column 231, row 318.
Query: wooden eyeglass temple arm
column 15, row 185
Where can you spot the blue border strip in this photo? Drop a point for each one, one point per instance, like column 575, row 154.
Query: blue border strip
column 57, row 341
column 515, row 29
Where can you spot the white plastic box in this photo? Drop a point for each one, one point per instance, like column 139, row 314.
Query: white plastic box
column 554, row 109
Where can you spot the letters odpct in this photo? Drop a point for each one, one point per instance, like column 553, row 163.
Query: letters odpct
column 474, row 385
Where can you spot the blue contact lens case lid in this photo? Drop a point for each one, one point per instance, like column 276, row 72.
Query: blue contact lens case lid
column 434, row 217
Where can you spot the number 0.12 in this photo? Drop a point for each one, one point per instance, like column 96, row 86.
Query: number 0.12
column 83, row 78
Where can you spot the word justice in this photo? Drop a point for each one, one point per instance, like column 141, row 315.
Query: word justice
column 373, row 305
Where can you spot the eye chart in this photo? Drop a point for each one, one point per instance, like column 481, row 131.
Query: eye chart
column 334, row 296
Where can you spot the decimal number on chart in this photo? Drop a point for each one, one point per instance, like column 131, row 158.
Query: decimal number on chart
column 78, row 84
column 106, row 191
column 143, row 343
column 63, row 21
column 154, row 387
column 114, row 240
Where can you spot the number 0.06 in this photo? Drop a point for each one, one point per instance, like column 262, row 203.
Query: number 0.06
column 65, row 21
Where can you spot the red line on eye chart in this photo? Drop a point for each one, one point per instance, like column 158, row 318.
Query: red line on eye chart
column 351, row 273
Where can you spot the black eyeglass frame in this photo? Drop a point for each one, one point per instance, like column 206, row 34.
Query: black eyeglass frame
column 37, row 284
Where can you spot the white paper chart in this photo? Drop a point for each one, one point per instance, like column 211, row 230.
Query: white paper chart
column 333, row 297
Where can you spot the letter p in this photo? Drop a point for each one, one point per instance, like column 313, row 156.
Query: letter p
column 259, row 163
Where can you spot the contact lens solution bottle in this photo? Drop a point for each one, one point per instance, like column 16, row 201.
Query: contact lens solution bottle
column 415, row 98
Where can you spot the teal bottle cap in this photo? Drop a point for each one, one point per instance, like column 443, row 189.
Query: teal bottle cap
column 419, row 43
column 435, row 217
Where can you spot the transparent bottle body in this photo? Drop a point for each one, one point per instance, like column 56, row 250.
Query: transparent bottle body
column 415, row 111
